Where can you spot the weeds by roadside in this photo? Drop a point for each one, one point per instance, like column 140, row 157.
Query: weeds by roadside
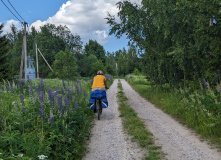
column 199, row 109
column 136, row 128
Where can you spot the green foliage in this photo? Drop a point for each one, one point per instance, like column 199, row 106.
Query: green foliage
column 180, row 40
column 39, row 125
column 96, row 67
column 65, row 65
column 4, row 56
column 136, row 72
column 199, row 109
column 94, row 48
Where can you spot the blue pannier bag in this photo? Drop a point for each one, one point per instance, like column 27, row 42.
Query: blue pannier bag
column 98, row 94
column 104, row 103
column 92, row 103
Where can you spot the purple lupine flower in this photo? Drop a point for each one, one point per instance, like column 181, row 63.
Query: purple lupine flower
column 51, row 97
column 70, row 110
column 219, row 89
column 107, row 76
column 204, row 83
column 22, row 83
column 57, row 91
column 76, row 87
column 42, row 86
column 76, row 106
column 62, row 91
column 22, row 99
column 66, row 101
column 69, row 95
column 41, row 111
column 41, row 97
column 79, row 82
column 31, row 93
column 52, row 118
column 63, row 83
column 11, row 88
column 60, row 103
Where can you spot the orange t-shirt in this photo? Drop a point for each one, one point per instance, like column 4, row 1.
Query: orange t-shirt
column 98, row 81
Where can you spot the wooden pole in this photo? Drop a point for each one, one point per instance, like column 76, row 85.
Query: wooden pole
column 22, row 58
column 37, row 59
column 25, row 50
column 45, row 60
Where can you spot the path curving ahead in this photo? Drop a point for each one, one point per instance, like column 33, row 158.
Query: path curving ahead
column 178, row 142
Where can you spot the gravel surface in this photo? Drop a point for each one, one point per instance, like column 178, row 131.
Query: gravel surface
column 108, row 140
column 178, row 142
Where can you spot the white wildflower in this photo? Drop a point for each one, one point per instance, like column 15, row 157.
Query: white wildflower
column 42, row 156
column 20, row 155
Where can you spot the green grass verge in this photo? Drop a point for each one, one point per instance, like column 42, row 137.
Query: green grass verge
column 195, row 116
column 136, row 128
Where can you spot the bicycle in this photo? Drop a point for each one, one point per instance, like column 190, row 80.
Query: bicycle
column 98, row 108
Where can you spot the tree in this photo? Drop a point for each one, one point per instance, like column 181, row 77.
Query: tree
column 94, row 48
column 180, row 39
column 65, row 66
column 96, row 67
column 4, row 58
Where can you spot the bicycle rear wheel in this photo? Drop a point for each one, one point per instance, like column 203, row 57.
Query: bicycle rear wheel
column 98, row 107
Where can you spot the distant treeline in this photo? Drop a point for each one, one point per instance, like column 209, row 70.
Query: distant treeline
column 64, row 52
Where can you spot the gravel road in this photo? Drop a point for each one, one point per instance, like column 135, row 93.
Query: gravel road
column 108, row 140
column 178, row 142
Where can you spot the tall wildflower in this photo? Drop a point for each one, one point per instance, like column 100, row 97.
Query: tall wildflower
column 76, row 106
column 22, row 99
column 42, row 86
column 62, row 91
column 11, row 88
column 205, row 84
column 60, row 103
column 41, row 111
column 76, row 87
column 41, row 96
column 52, row 118
column 31, row 94
column 69, row 94
column 219, row 89
column 51, row 97
column 66, row 101
column 63, row 83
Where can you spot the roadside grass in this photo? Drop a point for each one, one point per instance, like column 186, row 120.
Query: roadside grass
column 136, row 128
column 199, row 110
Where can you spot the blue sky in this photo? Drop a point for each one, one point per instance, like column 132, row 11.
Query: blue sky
column 83, row 17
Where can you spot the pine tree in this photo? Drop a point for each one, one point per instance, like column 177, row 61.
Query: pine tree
column 4, row 62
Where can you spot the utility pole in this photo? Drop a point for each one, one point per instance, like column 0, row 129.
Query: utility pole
column 37, row 59
column 22, row 58
column 24, row 54
column 25, row 50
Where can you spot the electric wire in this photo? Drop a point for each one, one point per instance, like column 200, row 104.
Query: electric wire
column 16, row 11
column 11, row 11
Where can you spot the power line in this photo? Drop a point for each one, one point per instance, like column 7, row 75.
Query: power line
column 11, row 11
column 16, row 11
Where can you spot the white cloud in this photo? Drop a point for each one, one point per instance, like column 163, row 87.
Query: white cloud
column 7, row 26
column 85, row 18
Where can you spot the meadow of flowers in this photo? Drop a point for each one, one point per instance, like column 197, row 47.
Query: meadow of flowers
column 44, row 119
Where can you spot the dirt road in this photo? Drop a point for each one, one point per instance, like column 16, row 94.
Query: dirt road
column 109, row 141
